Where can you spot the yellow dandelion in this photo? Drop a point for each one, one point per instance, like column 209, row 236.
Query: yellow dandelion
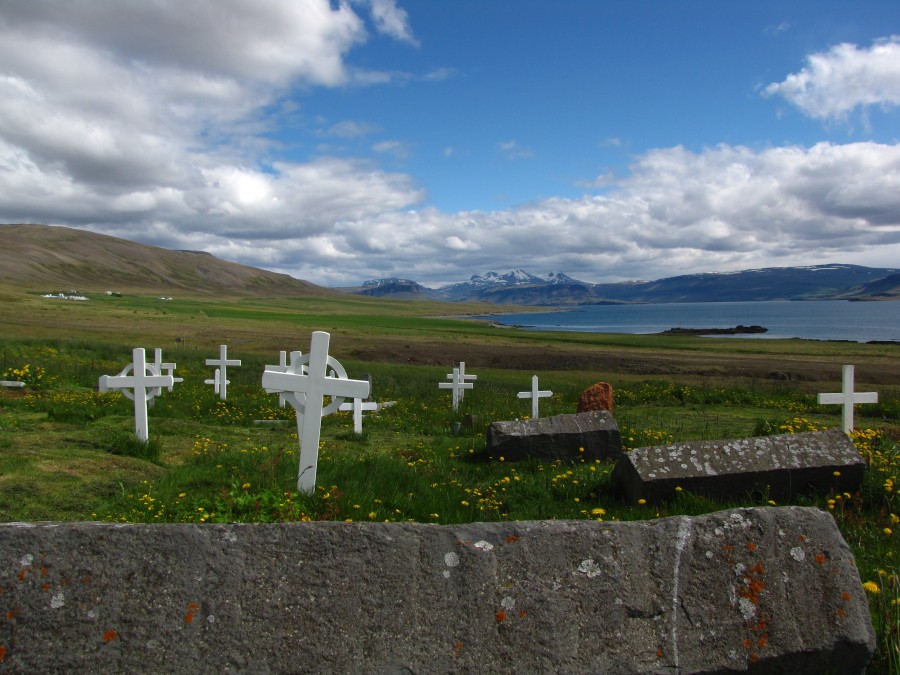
column 641, row 502
column 872, row 587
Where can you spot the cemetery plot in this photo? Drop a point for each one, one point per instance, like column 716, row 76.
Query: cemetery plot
column 779, row 466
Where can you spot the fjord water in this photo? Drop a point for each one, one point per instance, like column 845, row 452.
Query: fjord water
column 812, row 320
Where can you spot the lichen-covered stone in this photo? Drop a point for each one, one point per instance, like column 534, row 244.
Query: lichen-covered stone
column 776, row 466
column 583, row 436
column 767, row 590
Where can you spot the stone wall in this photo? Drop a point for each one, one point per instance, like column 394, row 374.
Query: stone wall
column 772, row 588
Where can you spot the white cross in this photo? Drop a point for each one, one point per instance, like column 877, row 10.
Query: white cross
column 223, row 362
column 464, row 377
column 146, row 382
column 313, row 384
column 281, row 368
column 847, row 398
column 457, row 385
column 358, row 406
column 534, row 395
column 165, row 368
column 216, row 381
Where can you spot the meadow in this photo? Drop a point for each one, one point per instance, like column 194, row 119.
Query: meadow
column 68, row 452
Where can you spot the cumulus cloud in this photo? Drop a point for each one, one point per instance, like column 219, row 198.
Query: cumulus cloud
column 836, row 82
column 153, row 122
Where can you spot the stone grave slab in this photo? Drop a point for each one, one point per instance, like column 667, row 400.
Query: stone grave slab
column 780, row 466
column 560, row 437
column 747, row 590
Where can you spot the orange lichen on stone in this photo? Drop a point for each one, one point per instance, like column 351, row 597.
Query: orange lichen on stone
column 512, row 539
column 2, row 652
column 191, row 611
column 11, row 614
column 500, row 616
column 845, row 596
column 659, row 653
column 751, row 546
column 85, row 579
column 820, row 558
column 23, row 573
column 45, row 586
column 109, row 636
column 522, row 613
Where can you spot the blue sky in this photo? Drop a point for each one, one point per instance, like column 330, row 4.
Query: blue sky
column 433, row 140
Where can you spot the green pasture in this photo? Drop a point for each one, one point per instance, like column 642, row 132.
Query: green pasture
column 68, row 452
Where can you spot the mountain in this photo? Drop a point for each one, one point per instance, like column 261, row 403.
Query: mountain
column 818, row 282
column 45, row 258
column 392, row 287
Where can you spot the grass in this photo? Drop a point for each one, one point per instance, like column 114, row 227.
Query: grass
column 68, row 452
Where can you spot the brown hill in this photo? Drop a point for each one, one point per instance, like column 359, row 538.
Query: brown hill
column 45, row 258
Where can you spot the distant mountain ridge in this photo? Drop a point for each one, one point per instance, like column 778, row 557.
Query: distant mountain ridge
column 816, row 282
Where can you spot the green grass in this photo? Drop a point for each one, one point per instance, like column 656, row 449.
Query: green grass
column 67, row 452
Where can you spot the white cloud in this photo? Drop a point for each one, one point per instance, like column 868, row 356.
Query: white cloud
column 512, row 150
column 836, row 82
column 391, row 20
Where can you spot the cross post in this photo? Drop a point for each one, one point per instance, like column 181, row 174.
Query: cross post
column 457, row 385
column 358, row 406
column 848, row 397
column 222, row 363
column 313, row 385
column 464, row 377
column 145, row 381
column 165, row 368
column 534, row 395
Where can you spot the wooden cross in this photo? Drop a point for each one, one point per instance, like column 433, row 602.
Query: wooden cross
column 358, row 406
column 457, row 385
column 165, row 368
column 313, row 384
column 848, row 397
column 534, row 395
column 464, row 377
column 281, row 368
column 222, row 363
column 145, row 381
column 216, row 381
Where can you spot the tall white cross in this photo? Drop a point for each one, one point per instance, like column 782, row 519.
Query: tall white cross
column 145, row 381
column 848, row 397
column 457, row 385
column 534, row 395
column 312, row 385
column 165, row 368
column 464, row 377
column 222, row 363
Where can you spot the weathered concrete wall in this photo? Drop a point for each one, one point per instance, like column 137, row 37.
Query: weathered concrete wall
column 764, row 590
column 780, row 466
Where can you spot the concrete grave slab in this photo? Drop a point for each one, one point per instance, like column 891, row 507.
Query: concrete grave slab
column 781, row 466
column 764, row 590
column 561, row 437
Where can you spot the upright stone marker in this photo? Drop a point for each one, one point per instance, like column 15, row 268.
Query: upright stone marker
column 847, row 398
column 222, row 364
column 312, row 384
column 761, row 590
column 534, row 395
column 778, row 466
column 457, row 384
column 145, row 383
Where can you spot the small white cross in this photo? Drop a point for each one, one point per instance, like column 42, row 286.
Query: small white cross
column 165, row 368
column 281, row 368
column 358, row 406
column 464, row 377
column 145, row 381
column 457, row 385
column 216, row 381
column 534, row 395
column 848, row 397
column 222, row 363
column 312, row 384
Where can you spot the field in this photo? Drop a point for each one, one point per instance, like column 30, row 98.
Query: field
column 68, row 452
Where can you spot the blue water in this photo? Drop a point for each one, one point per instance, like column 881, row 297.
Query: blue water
column 821, row 320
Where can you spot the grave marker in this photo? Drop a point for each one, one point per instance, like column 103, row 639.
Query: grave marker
column 11, row 383
column 312, row 384
column 534, row 395
column 281, row 368
column 145, row 383
column 847, row 398
column 216, row 381
column 222, row 363
column 464, row 377
column 165, row 368
column 457, row 385
column 779, row 466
